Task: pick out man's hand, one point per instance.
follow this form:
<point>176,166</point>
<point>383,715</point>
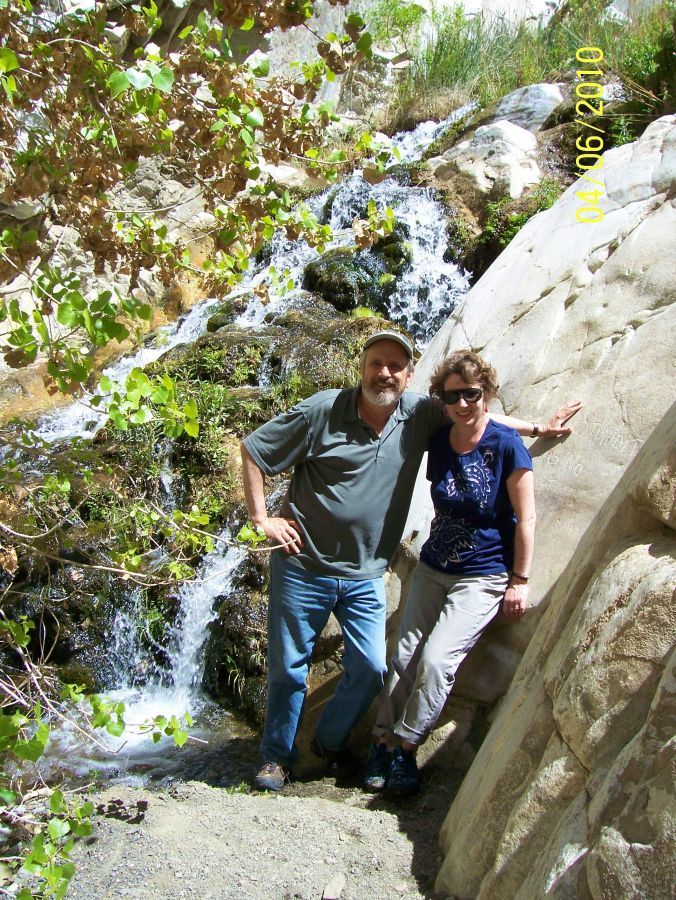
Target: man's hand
<point>285,532</point>
<point>556,426</point>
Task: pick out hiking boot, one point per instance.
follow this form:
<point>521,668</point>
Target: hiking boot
<point>340,763</point>
<point>404,778</point>
<point>272,777</point>
<point>378,768</point>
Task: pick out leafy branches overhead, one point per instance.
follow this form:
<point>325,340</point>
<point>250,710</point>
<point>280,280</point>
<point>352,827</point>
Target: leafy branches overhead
<point>80,108</point>
<point>85,96</point>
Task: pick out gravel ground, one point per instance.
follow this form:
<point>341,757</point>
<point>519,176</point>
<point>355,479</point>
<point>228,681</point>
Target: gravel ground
<point>317,839</point>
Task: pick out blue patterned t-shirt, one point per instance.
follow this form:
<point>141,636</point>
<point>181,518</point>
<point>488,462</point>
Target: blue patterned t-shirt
<point>473,528</point>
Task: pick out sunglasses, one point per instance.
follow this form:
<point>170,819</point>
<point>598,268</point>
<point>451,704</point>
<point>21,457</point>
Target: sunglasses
<point>469,395</point>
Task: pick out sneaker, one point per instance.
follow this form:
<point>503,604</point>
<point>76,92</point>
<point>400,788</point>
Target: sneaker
<point>378,768</point>
<point>340,763</point>
<point>272,777</point>
<point>404,778</point>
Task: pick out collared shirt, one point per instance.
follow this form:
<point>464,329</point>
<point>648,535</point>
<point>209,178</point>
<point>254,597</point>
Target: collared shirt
<point>351,488</point>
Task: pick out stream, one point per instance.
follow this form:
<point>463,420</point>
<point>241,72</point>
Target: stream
<point>426,293</point>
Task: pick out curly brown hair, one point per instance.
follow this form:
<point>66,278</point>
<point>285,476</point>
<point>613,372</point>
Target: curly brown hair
<point>471,367</point>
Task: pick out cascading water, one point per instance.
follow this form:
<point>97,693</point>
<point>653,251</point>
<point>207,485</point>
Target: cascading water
<point>146,692</point>
<point>425,294</point>
<point>428,289</point>
<point>197,600</point>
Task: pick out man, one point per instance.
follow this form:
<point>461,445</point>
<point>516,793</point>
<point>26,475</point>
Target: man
<point>355,455</point>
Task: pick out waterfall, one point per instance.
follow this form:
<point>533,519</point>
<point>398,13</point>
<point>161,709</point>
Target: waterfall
<point>147,693</point>
<point>426,292</point>
<point>178,691</point>
<point>429,288</point>
<point>412,144</point>
<point>197,597</point>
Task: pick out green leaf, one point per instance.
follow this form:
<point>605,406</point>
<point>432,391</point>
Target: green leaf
<point>8,60</point>
<point>159,396</point>
<point>76,300</point>
<point>247,24</point>
<point>10,725</point>
<point>365,43</point>
<point>142,416</point>
<point>192,428</point>
<point>8,83</point>
<point>57,802</point>
<point>57,828</point>
<point>117,83</point>
<point>33,749</point>
<point>164,80</point>
<point>354,20</point>
<point>115,728</point>
<point>183,34</point>
<point>255,118</point>
<point>138,80</point>
<point>190,409</point>
<point>7,797</point>
<point>67,315</point>
<point>262,67</point>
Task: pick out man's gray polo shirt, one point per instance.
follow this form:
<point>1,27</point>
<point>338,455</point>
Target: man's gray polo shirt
<point>350,490</point>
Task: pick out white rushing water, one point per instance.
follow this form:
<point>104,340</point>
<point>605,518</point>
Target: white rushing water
<point>412,144</point>
<point>426,291</point>
<point>144,691</point>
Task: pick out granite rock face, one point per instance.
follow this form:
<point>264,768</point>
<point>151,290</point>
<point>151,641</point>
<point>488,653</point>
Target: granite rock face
<point>571,793</point>
<point>499,154</point>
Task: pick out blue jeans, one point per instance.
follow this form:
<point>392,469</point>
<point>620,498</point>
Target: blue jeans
<point>300,605</point>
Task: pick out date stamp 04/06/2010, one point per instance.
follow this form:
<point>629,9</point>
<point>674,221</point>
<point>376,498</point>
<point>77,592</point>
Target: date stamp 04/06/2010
<point>589,143</point>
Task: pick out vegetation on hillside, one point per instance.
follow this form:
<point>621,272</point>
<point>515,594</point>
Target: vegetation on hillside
<point>468,56</point>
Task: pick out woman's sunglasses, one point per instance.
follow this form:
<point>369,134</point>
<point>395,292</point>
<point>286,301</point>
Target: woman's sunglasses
<point>469,395</point>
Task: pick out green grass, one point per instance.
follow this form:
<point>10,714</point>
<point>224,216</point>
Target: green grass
<point>485,59</point>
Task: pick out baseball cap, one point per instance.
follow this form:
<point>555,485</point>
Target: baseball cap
<point>391,336</point>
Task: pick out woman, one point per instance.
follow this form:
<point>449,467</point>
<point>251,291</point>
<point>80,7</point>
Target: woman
<point>476,560</point>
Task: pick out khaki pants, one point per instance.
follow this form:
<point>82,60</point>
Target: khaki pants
<point>445,616</point>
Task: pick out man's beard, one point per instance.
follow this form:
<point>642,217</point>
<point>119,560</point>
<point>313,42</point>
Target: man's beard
<point>381,396</point>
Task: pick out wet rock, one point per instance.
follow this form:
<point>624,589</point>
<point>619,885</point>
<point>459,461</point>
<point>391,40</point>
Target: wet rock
<point>348,279</point>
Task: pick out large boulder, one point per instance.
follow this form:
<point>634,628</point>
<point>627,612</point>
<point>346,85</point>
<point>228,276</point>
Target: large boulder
<point>499,159</point>
<point>572,793</point>
<point>570,310</point>
<point>529,107</point>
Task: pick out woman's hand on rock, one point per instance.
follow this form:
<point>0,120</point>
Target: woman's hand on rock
<point>555,426</point>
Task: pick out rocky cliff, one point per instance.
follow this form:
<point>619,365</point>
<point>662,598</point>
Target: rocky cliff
<point>569,795</point>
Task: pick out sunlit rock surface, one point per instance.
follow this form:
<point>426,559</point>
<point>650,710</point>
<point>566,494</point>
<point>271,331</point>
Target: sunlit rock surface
<point>571,793</point>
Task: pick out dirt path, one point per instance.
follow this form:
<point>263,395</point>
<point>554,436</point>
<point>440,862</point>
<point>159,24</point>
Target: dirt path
<point>317,839</point>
